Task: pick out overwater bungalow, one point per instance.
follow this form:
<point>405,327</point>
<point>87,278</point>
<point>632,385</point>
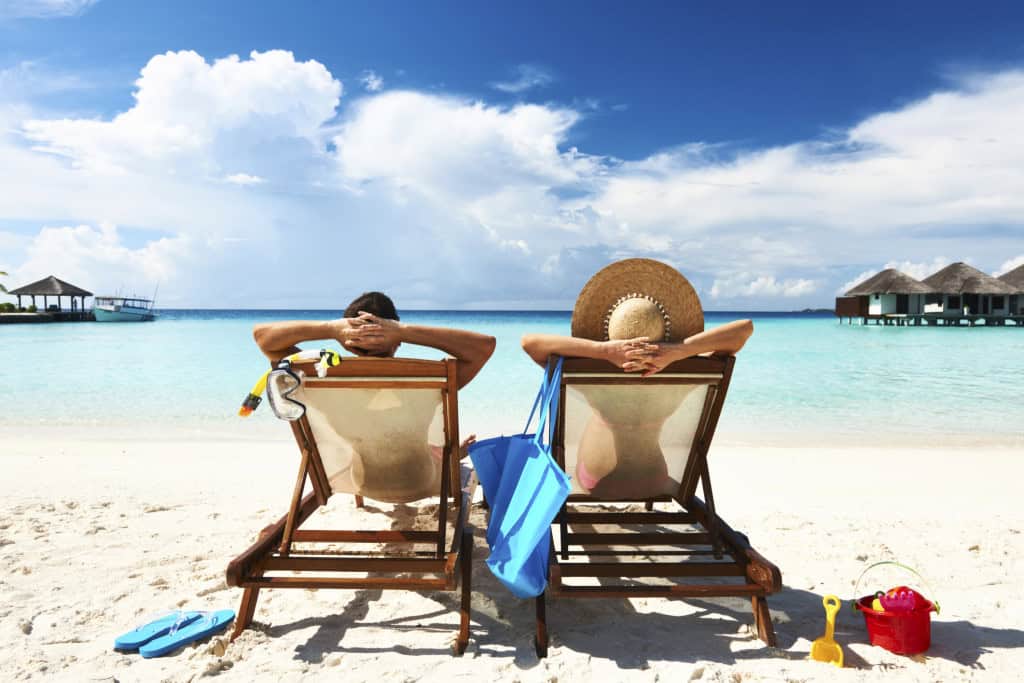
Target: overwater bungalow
<point>964,292</point>
<point>957,294</point>
<point>1015,278</point>
<point>888,297</point>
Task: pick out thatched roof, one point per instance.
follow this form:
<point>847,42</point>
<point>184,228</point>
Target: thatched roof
<point>960,278</point>
<point>890,281</point>
<point>50,286</point>
<point>1015,278</point>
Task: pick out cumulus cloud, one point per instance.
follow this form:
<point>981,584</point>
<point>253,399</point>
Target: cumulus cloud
<point>1009,265</point>
<point>189,113</point>
<point>745,285</point>
<point>486,204</point>
<point>44,9</point>
<point>371,80</point>
<point>527,76</point>
<point>244,179</point>
<point>96,255</point>
<point>915,269</point>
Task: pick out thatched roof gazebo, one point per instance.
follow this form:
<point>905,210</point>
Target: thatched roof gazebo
<point>960,278</point>
<point>1015,279</point>
<point>890,281</point>
<point>51,286</point>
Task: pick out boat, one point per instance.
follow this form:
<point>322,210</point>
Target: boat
<point>119,309</point>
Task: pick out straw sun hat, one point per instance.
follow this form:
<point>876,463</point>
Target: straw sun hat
<point>637,297</point>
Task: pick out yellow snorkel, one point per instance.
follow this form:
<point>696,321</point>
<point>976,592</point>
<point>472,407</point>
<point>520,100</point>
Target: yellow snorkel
<point>327,359</point>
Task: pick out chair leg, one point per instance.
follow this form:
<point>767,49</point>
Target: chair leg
<point>763,619</point>
<point>245,612</point>
<point>540,640</point>
<point>359,502</point>
<point>467,591</point>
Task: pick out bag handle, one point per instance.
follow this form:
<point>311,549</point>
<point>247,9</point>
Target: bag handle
<point>541,393</point>
<point>549,407</point>
<point>901,566</point>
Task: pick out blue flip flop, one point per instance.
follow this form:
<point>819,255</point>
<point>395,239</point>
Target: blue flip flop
<point>207,625</point>
<point>162,625</point>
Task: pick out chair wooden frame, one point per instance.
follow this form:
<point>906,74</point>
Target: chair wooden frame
<point>439,568</point>
<point>755,577</point>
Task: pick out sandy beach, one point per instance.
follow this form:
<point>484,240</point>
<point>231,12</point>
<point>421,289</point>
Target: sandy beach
<point>95,535</point>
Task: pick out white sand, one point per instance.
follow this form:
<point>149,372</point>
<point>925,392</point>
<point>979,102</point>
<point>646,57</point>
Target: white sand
<point>97,534</point>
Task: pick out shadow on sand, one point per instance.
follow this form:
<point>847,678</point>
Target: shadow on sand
<point>720,630</point>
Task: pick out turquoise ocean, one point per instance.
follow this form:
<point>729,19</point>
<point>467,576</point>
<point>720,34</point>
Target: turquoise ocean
<point>801,379</point>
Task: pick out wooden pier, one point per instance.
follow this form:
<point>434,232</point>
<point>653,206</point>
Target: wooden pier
<point>46,317</point>
<point>935,319</point>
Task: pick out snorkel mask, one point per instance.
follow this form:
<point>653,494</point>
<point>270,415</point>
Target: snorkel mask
<point>282,381</point>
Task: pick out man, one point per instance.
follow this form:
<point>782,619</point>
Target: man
<point>370,327</point>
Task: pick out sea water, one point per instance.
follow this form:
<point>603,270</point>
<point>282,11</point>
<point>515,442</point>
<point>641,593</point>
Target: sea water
<point>802,378</point>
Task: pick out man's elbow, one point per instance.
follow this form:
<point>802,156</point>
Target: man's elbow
<point>489,344</point>
<point>259,334</point>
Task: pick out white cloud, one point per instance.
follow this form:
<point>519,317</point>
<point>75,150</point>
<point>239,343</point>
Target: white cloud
<point>371,80</point>
<point>916,270</point>
<point>188,112</point>
<point>97,259</point>
<point>1009,265</point>
<point>244,179</point>
<point>527,76</point>
<point>744,285</point>
<point>44,9</point>
<point>483,203</point>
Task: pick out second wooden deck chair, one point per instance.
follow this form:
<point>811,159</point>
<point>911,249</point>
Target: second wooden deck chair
<point>386,429</point>
<point>627,439</point>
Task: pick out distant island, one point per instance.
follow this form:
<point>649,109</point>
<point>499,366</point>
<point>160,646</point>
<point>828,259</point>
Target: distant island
<point>815,310</point>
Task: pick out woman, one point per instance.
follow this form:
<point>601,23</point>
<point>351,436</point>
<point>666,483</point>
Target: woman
<point>641,315</point>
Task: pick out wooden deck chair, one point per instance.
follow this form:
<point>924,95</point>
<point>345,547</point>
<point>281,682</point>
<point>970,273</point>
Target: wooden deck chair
<point>386,429</point>
<point>627,439</point>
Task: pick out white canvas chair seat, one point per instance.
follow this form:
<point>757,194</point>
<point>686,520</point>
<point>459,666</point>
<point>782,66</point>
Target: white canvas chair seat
<point>381,443</point>
<point>630,442</point>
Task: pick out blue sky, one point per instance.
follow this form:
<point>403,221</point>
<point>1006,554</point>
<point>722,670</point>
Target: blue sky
<point>462,154</point>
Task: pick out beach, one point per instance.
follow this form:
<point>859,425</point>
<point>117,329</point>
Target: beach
<point>97,534</point>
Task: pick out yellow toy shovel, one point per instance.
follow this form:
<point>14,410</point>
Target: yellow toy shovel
<point>826,649</point>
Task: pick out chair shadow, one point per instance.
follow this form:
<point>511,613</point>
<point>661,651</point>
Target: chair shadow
<point>331,630</point>
<point>721,630</point>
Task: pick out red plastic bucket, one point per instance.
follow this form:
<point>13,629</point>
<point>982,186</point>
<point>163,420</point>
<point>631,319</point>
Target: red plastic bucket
<point>900,632</point>
<point>904,633</point>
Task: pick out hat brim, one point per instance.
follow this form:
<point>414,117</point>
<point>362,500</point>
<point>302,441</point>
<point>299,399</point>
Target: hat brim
<point>645,277</point>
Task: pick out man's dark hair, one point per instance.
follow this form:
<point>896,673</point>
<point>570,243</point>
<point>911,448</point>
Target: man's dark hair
<point>378,303</point>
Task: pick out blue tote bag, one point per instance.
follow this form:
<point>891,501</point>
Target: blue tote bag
<point>525,489</point>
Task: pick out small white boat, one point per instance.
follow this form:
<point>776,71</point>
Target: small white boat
<point>119,309</point>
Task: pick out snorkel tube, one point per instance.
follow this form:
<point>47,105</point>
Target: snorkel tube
<point>327,359</point>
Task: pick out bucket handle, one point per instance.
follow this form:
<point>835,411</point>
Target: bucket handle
<point>935,603</point>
